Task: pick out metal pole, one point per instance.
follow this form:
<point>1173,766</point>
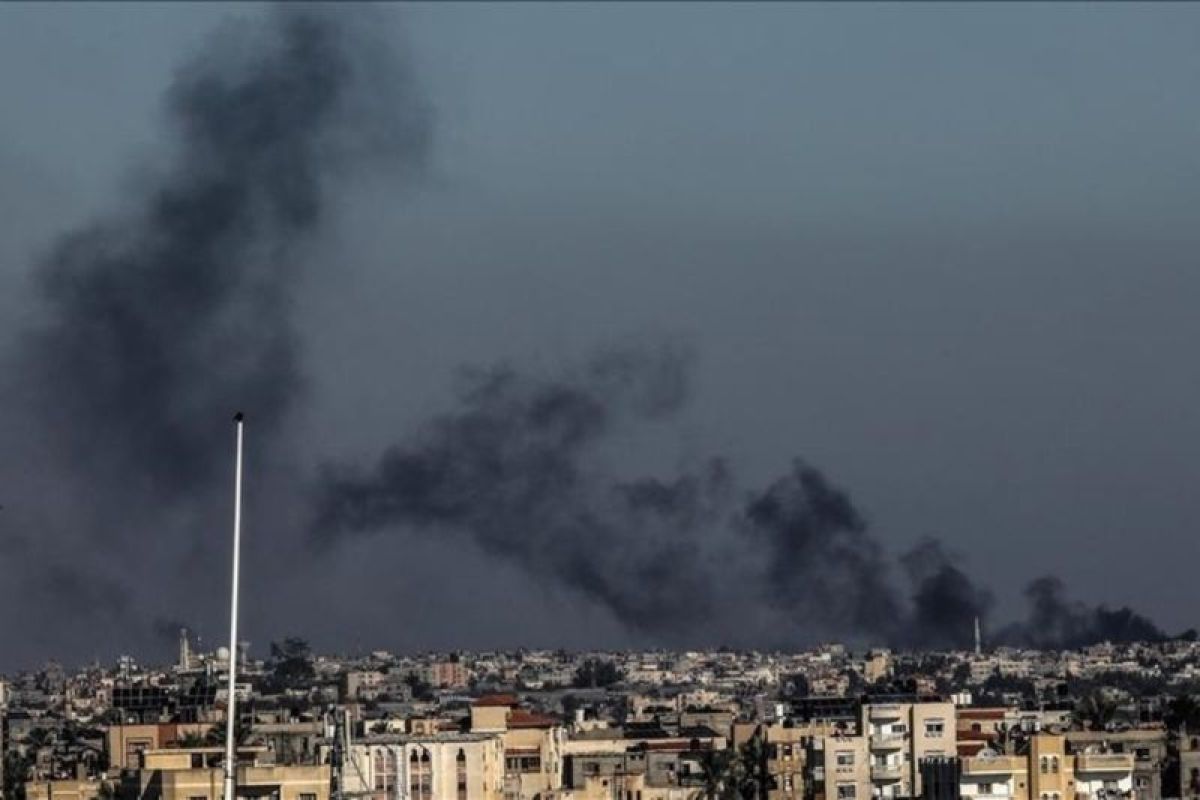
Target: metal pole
<point>231,712</point>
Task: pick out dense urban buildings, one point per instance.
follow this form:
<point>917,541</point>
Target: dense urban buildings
<point>1108,721</point>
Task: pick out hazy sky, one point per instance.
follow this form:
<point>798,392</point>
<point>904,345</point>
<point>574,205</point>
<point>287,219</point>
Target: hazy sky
<point>945,252</point>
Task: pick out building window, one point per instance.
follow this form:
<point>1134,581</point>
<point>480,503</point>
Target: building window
<point>383,768</point>
<point>845,759</point>
<point>1054,764</point>
<point>420,776</point>
<point>847,791</point>
<point>935,727</point>
<point>460,774</point>
<point>307,796</point>
<point>1044,766</point>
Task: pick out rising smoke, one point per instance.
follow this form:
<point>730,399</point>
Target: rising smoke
<point>162,320</point>
<point>1056,622</point>
<point>514,469</point>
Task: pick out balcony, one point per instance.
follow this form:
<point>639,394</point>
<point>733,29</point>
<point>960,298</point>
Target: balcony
<point>887,741</point>
<point>886,772</point>
<point>996,765</point>
<point>1104,762</point>
<point>884,711</point>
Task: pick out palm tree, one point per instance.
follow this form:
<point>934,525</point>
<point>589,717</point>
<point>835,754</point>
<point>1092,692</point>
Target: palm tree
<point>1096,711</point>
<point>715,773</point>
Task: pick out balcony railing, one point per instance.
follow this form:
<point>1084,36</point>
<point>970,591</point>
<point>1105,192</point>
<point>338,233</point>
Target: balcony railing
<point>886,772</point>
<point>884,711</point>
<point>887,741</point>
<point>1104,762</point>
<point>997,765</point>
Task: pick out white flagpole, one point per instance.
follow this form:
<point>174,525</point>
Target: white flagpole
<point>231,709</point>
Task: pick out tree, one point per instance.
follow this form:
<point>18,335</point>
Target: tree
<point>597,673</point>
<point>17,769</point>
<point>1183,712</point>
<point>190,740</point>
<point>291,665</point>
<point>421,690</point>
<point>1096,711</point>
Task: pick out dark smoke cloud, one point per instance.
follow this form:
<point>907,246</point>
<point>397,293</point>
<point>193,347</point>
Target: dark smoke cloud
<point>1054,622</point>
<point>510,468</point>
<point>514,470</point>
<point>163,318</point>
<point>820,560</point>
<point>945,601</point>
<point>161,323</point>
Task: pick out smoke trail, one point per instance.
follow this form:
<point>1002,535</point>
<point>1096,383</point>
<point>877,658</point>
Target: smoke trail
<point>511,469</point>
<point>161,322</point>
<point>163,317</point>
<point>821,564</point>
<point>1056,623</point>
<point>945,601</point>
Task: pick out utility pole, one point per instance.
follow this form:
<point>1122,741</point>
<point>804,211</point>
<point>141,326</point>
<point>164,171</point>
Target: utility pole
<point>231,709</point>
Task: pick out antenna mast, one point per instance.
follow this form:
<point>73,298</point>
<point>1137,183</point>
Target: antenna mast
<point>231,709</point>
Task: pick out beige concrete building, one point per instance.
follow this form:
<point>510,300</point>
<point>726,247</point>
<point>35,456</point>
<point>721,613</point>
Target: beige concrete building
<point>125,743</point>
<point>196,774</point>
<point>839,768</point>
<point>533,745</point>
<point>437,766</point>
<point>900,735</point>
<point>83,789</point>
<point>1046,772</point>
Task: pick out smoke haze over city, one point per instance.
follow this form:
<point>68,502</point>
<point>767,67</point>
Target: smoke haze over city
<point>598,326</point>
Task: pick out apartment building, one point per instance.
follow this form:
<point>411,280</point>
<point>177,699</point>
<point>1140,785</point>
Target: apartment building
<point>978,728</point>
<point>1148,746</point>
<point>785,756</point>
<point>1046,770</point>
<point>68,789</point>
<point>900,734</point>
<point>839,768</point>
<point>125,743</point>
<point>1188,751</point>
<point>435,766</point>
<point>196,774</point>
<point>533,745</point>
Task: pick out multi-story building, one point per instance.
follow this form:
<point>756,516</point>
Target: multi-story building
<point>196,774</point>
<point>1188,760</point>
<point>533,745</point>
<point>125,743</point>
<point>447,675</point>
<point>1046,770</point>
<point>1148,746</point>
<point>838,768</point>
<point>901,734</point>
<point>434,766</point>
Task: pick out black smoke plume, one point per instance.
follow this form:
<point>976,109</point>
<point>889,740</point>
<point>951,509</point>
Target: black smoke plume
<point>162,318</point>
<point>510,468</point>
<point>514,469</point>
<point>1056,623</point>
<point>821,565</point>
<point>162,321</point>
<point>945,601</point>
